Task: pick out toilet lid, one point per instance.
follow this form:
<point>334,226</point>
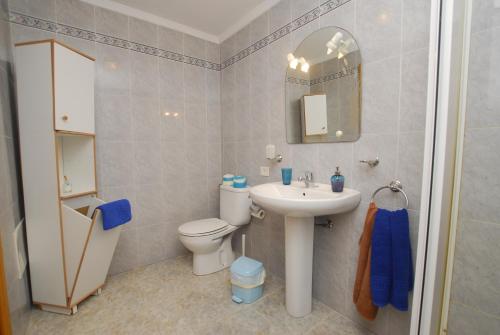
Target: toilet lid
<point>202,227</point>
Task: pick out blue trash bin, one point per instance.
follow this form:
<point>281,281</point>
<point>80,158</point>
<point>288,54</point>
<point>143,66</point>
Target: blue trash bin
<point>247,280</point>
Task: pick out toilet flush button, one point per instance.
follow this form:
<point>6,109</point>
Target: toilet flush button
<point>264,171</point>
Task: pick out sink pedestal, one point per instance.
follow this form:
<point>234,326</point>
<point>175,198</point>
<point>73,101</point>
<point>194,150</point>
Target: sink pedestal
<point>300,205</point>
<point>299,237</point>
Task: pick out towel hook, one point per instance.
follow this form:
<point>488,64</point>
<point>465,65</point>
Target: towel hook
<point>394,186</point>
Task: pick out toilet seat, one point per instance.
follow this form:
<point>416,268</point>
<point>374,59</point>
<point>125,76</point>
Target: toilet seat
<point>203,227</point>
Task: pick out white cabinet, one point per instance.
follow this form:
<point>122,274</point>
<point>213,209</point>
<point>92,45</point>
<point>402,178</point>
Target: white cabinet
<point>69,252</point>
<point>73,90</point>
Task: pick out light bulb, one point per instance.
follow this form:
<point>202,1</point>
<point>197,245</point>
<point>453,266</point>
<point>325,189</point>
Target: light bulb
<point>340,55</point>
<point>290,57</point>
<point>339,133</point>
<point>293,63</point>
<point>329,51</point>
<point>336,38</point>
<point>304,67</point>
<point>167,113</point>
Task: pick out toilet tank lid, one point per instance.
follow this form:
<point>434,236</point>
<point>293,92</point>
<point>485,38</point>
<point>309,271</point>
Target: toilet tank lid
<point>246,267</point>
<point>236,190</point>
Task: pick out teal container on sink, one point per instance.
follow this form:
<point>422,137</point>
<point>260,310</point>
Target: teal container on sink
<point>247,280</point>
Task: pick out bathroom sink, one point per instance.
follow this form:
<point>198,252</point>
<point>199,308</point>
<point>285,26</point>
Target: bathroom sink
<point>300,204</point>
<point>298,201</point>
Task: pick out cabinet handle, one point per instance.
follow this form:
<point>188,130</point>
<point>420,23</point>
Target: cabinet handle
<point>65,118</point>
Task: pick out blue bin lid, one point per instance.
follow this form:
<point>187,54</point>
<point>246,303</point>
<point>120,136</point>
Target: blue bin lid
<point>247,267</point>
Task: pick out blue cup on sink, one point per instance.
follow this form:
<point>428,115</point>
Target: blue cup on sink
<point>286,176</point>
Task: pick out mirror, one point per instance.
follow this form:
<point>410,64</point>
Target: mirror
<point>323,88</point>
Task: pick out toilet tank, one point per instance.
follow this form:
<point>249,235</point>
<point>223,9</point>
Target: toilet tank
<point>235,205</point>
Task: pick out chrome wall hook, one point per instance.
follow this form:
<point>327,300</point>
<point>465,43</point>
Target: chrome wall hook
<point>371,163</point>
<point>278,158</point>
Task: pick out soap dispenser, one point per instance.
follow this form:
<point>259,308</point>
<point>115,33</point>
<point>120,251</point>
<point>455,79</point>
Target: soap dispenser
<point>337,181</point>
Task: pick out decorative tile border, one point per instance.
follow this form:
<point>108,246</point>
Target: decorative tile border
<point>59,28</point>
<point>347,72</point>
<point>298,81</point>
<point>308,17</point>
<point>63,29</point>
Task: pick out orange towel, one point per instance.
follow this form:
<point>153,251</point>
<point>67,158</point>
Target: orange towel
<point>362,293</point>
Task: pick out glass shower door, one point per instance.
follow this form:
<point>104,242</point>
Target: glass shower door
<point>472,293</point>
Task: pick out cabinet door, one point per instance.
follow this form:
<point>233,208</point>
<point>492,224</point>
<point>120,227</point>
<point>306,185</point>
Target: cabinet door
<point>73,90</point>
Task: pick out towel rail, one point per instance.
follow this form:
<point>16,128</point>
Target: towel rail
<point>394,186</point>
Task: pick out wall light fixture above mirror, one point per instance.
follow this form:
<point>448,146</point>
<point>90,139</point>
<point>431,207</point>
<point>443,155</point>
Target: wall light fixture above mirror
<point>323,88</point>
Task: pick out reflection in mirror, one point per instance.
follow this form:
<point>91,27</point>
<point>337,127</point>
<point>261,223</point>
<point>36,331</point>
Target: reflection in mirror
<point>323,88</point>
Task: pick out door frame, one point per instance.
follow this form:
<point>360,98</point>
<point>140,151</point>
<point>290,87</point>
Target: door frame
<point>443,122</point>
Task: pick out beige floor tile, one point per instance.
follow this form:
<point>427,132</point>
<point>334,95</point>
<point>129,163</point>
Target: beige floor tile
<point>166,298</point>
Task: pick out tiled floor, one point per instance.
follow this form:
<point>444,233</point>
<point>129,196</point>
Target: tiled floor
<point>166,298</point>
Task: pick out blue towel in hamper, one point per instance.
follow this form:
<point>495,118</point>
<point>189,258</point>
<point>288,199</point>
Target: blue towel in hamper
<point>115,213</point>
<point>381,259</point>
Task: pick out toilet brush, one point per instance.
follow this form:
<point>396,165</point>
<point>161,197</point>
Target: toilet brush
<point>243,239</point>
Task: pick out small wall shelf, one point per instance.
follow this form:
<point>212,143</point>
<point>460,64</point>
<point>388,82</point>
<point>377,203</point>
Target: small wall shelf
<point>76,164</point>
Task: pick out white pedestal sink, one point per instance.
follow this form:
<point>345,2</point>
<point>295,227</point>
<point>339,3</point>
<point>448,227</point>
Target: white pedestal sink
<point>300,205</point>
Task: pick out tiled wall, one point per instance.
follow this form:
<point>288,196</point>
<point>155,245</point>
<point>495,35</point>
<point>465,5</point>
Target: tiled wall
<point>169,166</point>
<point>393,39</point>
<point>475,295</point>
<point>157,118</point>
<point>11,210</point>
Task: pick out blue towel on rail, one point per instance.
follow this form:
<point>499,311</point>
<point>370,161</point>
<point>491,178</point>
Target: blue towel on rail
<point>115,213</point>
<point>381,259</point>
<point>402,267</point>
<point>391,263</point>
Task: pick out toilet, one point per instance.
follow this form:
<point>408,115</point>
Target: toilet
<point>210,239</point>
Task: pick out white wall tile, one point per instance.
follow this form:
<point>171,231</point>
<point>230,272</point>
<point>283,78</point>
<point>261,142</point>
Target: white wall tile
<point>146,118</point>
<point>476,275</point>
<point>44,9</point>
<point>416,24</point>
<point>113,70</point>
<point>280,15</point>
<point>465,320</point>
<point>413,91</point>
<point>113,117</point>
<point>76,14</point>
<point>380,104</point>
<point>378,28</point>
<point>144,79</point>
<point>195,47</point>
<point>479,198</point>
<point>111,23</point>
<point>170,40</point>
<point>410,160</point>
<point>259,28</point>
<point>143,32</point>
<point>483,85</point>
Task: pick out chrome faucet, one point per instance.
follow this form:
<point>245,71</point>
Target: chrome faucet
<point>308,179</point>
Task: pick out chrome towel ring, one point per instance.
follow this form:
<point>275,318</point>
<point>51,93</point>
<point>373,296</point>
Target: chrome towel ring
<point>394,186</point>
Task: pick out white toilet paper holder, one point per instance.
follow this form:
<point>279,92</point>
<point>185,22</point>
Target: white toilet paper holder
<point>257,212</point>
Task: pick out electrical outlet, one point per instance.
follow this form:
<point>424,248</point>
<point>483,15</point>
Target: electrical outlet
<point>264,171</point>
